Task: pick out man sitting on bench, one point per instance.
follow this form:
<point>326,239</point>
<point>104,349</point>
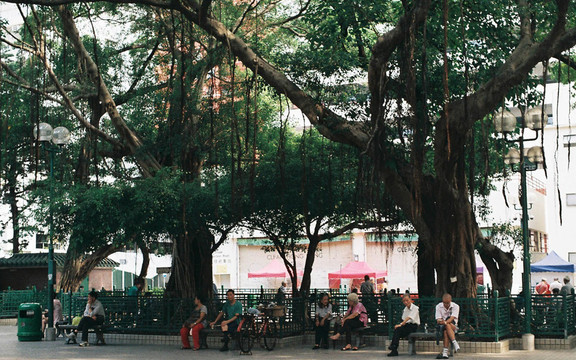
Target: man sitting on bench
<point>447,319</point>
<point>409,324</point>
<point>93,316</point>
<point>231,310</point>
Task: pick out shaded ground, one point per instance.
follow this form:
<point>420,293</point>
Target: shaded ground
<point>11,348</point>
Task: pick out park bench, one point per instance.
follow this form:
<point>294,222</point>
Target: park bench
<point>204,333</point>
<point>357,334</point>
<point>98,330</point>
<point>424,335</point>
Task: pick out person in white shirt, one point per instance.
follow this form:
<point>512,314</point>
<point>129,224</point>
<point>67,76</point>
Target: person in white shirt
<point>447,314</point>
<point>409,324</point>
<point>555,285</point>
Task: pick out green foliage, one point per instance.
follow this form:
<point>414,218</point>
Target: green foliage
<point>504,234</point>
<point>146,211</point>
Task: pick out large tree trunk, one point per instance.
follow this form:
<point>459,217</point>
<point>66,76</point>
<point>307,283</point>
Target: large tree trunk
<point>15,216</point>
<point>454,238</point>
<point>78,266</point>
<point>500,265</point>
<point>310,257</point>
<point>145,260</point>
<point>191,263</point>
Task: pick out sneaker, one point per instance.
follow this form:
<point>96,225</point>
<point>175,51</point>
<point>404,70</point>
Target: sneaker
<point>442,356</point>
<point>393,353</point>
<point>456,346</point>
<point>72,335</point>
<point>224,348</point>
<point>84,344</point>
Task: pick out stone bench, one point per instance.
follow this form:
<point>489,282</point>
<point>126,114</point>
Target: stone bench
<point>204,333</point>
<point>424,335</point>
<point>97,329</point>
<point>358,334</point>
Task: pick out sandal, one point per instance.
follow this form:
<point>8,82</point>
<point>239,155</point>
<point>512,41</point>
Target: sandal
<point>354,348</point>
<point>346,348</point>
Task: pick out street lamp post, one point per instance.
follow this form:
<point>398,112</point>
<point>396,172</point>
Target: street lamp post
<point>521,162</point>
<point>51,140</point>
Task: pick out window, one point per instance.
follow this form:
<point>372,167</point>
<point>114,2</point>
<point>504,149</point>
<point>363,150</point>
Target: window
<point>569,140</point>
<point>41,241</point>
<point>570,199</point>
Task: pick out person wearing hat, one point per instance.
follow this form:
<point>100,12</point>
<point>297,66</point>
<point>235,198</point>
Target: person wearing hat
<point>543,288</point>
<point>555,285</point>
<point>356,317</point>
<point>93,315</point>
<point>568,288</point>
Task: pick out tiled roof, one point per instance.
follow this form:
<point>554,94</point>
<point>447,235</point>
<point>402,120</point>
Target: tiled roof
<point>41,260</point>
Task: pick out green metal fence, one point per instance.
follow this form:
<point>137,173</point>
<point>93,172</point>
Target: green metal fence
<point>553,315</point>
<point>11,299</point>
<point>482,318</point>
<point>478,319</point>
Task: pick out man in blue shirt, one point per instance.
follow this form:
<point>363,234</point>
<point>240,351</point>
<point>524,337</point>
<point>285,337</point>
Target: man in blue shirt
<point>231,311</point>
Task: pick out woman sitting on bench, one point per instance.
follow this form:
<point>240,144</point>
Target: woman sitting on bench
<point>323,316</point>
<point>356,317</point>
<point>195,323</point>
<point>93,316</point>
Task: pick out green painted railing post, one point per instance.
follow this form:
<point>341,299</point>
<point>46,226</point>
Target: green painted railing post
<point>496,313</point>
<point>565,315</point>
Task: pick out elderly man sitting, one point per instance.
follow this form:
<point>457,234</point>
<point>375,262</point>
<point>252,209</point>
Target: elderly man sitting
<point>447,314</point>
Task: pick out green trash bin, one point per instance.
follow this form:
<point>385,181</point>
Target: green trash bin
<point>29,322</point>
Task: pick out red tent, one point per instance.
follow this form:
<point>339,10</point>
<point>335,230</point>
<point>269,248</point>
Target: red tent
<point>275,269</point>
<point>356,270</point>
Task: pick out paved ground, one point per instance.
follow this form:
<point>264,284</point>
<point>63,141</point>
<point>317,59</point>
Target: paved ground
<point>11,348</point>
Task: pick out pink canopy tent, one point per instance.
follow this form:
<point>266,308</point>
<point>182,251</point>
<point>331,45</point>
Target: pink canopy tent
<point>356,270</point>
<point>275,269</point>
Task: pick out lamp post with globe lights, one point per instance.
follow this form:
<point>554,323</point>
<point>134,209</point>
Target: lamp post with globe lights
<point>52,140</point>
<point>523,160</point>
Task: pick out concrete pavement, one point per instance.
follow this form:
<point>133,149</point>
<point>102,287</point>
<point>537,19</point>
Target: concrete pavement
<point>11,348</point>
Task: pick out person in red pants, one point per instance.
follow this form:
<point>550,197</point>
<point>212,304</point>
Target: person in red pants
<point>195,323</point>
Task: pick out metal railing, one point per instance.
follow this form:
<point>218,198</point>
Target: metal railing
<point>482,318</point>
<point>552,315</point>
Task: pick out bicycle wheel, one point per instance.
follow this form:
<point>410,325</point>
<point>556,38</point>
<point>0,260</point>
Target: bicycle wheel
<point>270,335</point>
<point>246,336</point>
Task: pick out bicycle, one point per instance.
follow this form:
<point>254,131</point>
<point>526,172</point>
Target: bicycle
<point>258,327</point>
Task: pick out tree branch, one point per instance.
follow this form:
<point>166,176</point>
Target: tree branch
<point>566,60</point>
<point>358,225</point>
<point>145,160</point>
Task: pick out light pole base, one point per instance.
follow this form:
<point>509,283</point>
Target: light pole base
<point>50,334</point>
<point>528,342</point>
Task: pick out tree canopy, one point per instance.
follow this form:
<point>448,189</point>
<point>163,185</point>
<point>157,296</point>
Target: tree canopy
<point>435,72</point>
